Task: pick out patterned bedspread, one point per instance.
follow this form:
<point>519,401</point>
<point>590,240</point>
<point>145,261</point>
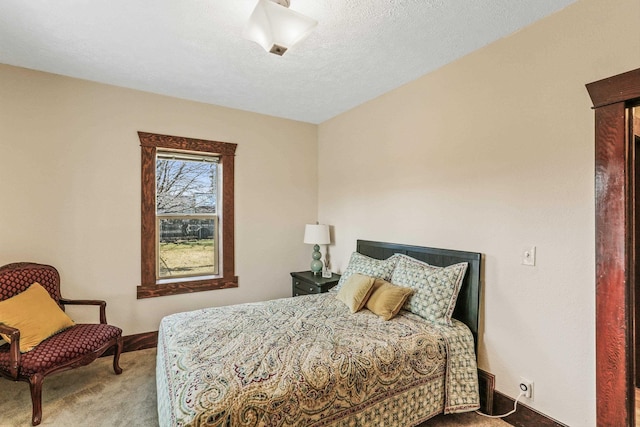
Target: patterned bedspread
<point>309,361</point>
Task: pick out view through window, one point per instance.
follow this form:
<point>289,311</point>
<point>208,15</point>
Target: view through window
<point>186,215</point>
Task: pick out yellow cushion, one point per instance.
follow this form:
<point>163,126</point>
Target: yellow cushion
<point>35,314</point>
<point>355,291</point>
<point>387,299</point>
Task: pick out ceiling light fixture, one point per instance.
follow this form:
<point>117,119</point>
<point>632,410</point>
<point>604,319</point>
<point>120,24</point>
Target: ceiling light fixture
<point>277,28</point>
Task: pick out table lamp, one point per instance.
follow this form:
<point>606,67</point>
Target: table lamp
<point>316,235</point>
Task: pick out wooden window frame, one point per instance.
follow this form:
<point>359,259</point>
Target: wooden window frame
<point>149,286</point>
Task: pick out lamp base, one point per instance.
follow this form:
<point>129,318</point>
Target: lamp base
<point>316,264</point>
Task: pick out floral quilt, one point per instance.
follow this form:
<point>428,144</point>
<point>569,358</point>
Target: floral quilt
<point>308,361</point>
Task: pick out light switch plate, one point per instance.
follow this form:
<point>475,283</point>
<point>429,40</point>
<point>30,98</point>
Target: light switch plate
<point>529,256</point>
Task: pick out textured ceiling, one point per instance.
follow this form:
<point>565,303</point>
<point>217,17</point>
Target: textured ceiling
<point>194,49</point>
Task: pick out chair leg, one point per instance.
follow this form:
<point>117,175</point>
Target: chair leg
<point>35,385</point>
<point>116,357</point>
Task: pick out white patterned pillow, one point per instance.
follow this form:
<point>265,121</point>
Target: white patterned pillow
<point>358,263</point>
<point>435,288</point>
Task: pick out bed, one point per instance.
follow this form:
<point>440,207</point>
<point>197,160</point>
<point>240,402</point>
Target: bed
<point>310,361</point>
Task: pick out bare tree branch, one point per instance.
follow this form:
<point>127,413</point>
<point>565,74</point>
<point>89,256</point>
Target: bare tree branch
<point>179,183</point>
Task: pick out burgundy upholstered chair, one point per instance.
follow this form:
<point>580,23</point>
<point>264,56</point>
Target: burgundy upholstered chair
<point>76,346</point>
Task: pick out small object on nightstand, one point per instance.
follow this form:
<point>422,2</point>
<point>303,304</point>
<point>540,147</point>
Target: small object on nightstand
<point>326,273</point>
<point>306,283</point>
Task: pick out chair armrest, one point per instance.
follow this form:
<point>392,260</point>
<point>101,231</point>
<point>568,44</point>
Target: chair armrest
<point>102,304</point>
<point>14,349</point>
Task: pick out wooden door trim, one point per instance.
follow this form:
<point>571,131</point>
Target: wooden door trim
<point>614,310</point>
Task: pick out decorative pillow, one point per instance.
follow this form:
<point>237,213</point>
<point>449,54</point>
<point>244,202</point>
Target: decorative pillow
<point>36,314</point>
<point>377,268</point>
<point>356,291</point>
<point>386,299</point>
<point>435,288</point>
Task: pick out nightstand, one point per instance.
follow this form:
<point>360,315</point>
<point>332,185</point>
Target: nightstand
<point>305,283</point>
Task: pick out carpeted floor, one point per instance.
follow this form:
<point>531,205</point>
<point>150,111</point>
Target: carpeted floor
<point>94,396</point>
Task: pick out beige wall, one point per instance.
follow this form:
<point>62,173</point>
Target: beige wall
<point>70,190</point>
<point>494,153</point>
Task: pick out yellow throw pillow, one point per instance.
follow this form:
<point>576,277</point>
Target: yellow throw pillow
<point>355,291</point>
<point>35,314</point>
<point>387,299</point>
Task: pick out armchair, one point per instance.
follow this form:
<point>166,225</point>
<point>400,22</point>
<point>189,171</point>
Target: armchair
<point>76,346</point>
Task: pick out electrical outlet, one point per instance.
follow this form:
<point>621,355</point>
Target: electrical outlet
<point>526,387</point>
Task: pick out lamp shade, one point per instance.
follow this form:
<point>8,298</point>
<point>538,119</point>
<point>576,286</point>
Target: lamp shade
<point>317,234</point>
<point>276,28</point>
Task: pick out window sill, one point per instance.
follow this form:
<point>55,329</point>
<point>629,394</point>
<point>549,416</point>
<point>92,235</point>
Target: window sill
<point>187,279</point>
<point>176,287</point>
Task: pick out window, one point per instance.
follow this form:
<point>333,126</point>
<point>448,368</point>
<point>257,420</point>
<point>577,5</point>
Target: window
<point>187,215</point>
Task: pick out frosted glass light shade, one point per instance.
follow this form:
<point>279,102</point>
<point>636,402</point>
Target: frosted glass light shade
<point>277,28</point>
<point>316,234</point>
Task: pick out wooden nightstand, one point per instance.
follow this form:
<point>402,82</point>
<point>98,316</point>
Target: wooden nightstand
<point>305,283</point>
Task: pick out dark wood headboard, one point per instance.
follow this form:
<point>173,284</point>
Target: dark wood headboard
<point>468,303</point>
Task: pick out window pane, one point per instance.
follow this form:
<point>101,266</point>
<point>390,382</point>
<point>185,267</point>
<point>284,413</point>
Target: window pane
<point>186,186</point>
<point>186,247</point>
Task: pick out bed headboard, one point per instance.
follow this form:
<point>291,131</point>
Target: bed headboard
<point>468,303</point>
